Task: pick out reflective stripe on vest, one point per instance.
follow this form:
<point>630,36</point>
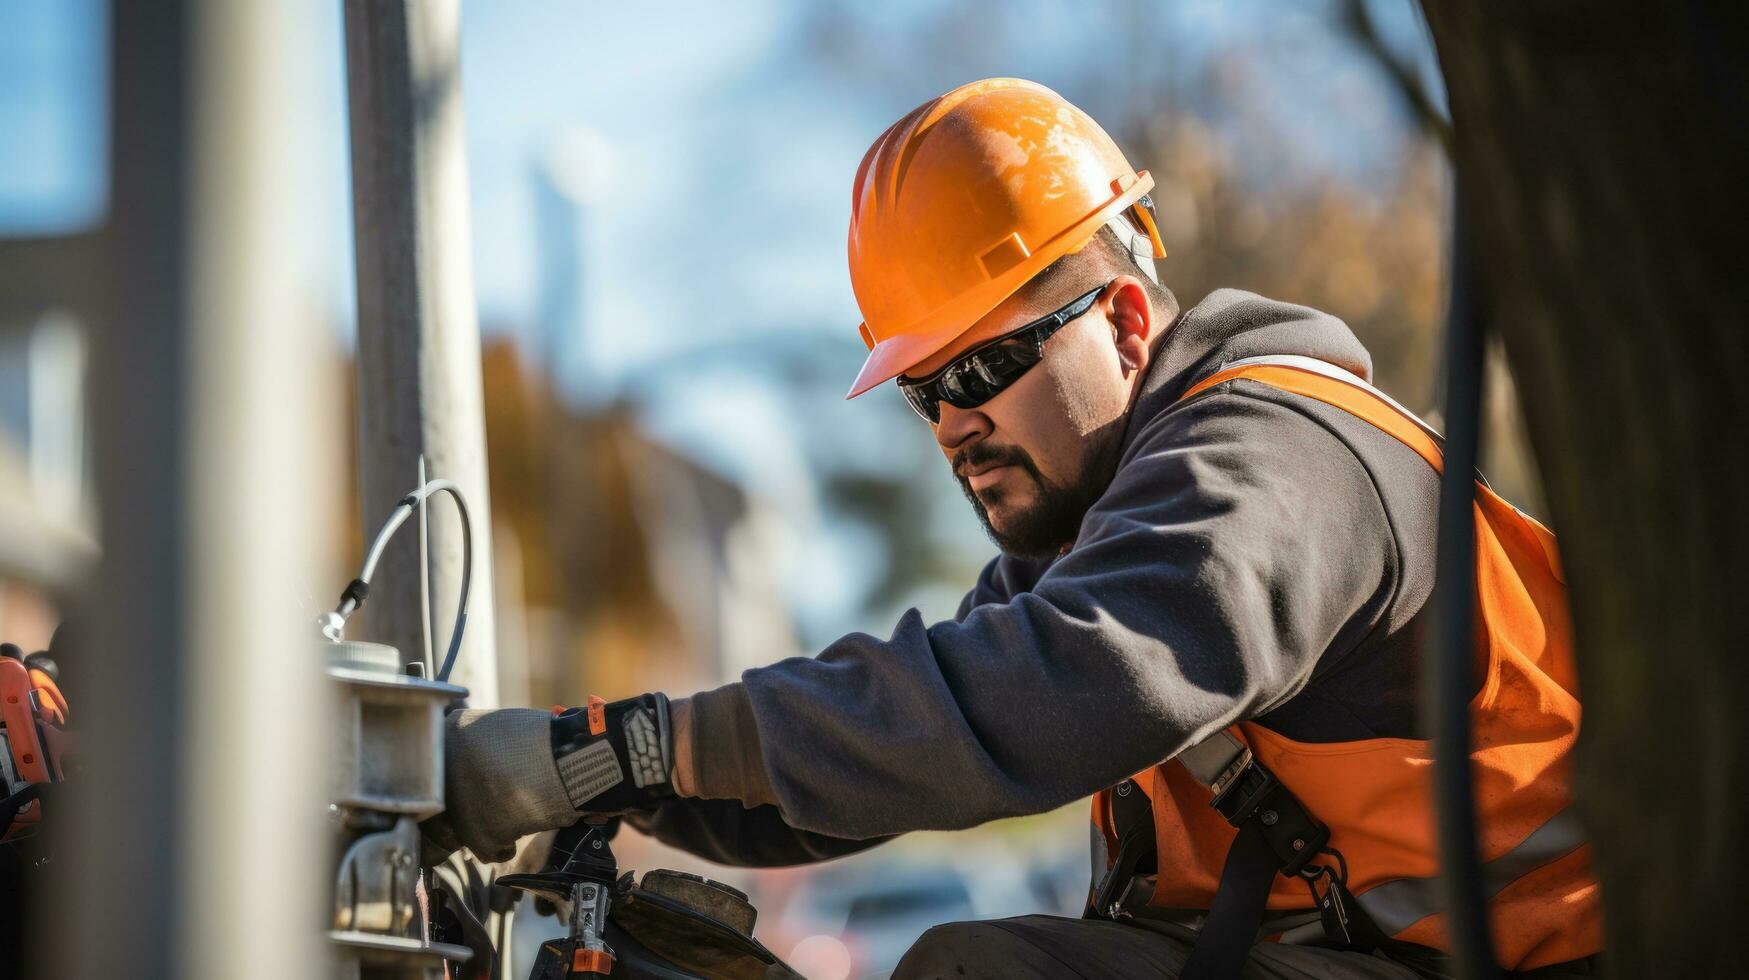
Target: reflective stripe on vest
<point>1326,369</point>
<point>1396,905</point>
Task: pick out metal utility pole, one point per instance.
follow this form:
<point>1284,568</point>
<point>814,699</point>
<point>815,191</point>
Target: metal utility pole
<point>418,337</point>
<point>182,847</point>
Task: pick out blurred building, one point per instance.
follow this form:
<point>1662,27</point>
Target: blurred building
<point>637,568</point>
<point>625,565</point>
<point>571,171</point>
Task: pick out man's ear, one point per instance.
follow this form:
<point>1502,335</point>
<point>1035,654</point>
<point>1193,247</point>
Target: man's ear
<point>1132,320</point>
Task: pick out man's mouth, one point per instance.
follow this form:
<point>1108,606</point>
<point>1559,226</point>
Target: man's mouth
<point>981,468</point>
<point>981,477</point>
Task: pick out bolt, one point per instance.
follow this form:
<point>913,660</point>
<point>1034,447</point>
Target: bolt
<point>1269,818</point>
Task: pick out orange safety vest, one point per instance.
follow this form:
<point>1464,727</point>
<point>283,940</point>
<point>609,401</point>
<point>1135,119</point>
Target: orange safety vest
<point>1376,795</point>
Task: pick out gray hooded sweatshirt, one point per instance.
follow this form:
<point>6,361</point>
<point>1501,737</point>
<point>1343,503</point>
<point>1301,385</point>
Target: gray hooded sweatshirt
<point>1258,556</point>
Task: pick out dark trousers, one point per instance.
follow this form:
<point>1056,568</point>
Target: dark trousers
<point>1040,946</point>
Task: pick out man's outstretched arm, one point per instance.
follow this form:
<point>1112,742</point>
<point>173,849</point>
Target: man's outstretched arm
<point>1239,543</point>
<point>729,833</point>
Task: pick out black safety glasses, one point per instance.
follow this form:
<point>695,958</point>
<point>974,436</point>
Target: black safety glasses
<point>983,372</point>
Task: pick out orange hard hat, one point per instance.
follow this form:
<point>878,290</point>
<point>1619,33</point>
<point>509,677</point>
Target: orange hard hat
<point>962,201</point>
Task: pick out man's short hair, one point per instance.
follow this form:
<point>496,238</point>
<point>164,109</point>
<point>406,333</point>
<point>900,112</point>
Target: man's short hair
<point>1105,258</point>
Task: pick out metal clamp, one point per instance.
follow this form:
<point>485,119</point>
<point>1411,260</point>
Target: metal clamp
<point>1254,794</point>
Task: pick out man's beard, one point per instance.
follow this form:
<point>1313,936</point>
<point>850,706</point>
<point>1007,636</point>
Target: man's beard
<point>1050,525</point>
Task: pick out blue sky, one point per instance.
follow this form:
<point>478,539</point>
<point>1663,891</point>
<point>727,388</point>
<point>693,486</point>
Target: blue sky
<point>52,140</point>
<point>724,137</point>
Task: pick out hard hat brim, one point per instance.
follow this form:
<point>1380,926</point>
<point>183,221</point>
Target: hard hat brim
<point>891,358</point>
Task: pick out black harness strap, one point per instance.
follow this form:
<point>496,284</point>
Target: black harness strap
<point>1237,913</point>
<point>1276,836</point>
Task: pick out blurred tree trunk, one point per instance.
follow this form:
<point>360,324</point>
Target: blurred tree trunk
<point>1601,151</point>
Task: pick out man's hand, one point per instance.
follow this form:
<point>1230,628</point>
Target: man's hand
<point>519,771</point>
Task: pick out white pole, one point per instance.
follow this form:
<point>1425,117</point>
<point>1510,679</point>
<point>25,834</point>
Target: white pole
<point>192,842</point>
<point>418,335</point>
<point>264,443</point>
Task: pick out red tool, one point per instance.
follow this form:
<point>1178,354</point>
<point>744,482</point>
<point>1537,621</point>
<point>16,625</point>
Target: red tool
<point>33,744</point>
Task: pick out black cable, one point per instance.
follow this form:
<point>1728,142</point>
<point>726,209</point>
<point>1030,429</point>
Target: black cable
<point>1448,686</point>
<point>461,609</point>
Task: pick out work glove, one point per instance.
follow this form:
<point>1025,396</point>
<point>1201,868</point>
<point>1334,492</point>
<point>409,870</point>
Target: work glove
<point>517,771</point>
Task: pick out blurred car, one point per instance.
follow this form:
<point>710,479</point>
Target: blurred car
<point>856,919</point>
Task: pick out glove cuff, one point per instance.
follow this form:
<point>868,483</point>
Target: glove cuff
<point>615,756</point>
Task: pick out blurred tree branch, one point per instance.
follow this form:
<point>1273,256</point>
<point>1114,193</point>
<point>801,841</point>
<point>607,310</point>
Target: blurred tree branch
<point>1357,18</point>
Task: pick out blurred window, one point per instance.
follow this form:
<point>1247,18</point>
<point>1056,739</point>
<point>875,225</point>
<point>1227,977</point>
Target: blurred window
<point>42,416</point>
<point>53,116</point>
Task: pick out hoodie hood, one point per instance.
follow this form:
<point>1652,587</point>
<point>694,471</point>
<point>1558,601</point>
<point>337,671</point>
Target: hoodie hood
<point>1230,325</point>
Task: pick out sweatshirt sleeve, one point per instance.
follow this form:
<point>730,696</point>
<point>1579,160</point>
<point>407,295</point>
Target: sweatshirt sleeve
<point>729,833</point>
<point>1002,579</point>
<point>1240,542</point>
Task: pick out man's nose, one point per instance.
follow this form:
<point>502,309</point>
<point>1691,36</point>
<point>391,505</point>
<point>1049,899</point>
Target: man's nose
<point>960,427</point>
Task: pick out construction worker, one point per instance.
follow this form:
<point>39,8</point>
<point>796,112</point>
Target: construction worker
<point>1217,546</point>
